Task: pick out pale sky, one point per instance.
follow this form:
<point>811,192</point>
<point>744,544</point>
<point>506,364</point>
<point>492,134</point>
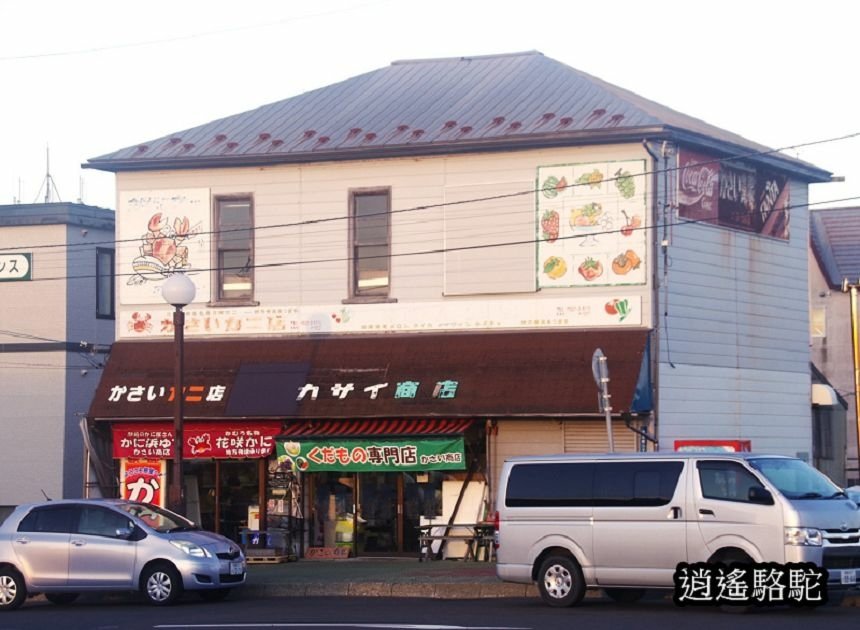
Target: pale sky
<point>86,78</point>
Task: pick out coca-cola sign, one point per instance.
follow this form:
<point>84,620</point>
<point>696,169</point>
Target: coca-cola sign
<point>732,194</point>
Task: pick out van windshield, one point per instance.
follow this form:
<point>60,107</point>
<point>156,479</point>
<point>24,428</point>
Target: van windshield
<point>796,479</point>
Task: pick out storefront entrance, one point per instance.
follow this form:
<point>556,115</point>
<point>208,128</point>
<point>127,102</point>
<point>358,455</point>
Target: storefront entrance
<point>374,513</point>
<point>222,495</point>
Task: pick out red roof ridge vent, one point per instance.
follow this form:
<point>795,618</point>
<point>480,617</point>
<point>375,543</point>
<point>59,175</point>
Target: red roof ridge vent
<point>141,148</point>
<point>354,132</point>
<point>515,125</point>
<point>417,133</point>
<point>565,121</point>
<point>221,137</point>
<point>466,129</point>
<point>615,120</point>
<point>450,124</point>
<point>323,139</point>
<point>264,136</point>
<point>498,120</point>
<point>232,145</point>
<point>175,140</point>
<point>310,133</point>
<point>370,136</point>
<point>277,142</point>
<point>546,117</point>
<point>188,146</point>
<point>402,128</point>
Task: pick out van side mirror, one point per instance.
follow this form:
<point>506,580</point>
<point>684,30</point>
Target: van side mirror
<point>760,495</point>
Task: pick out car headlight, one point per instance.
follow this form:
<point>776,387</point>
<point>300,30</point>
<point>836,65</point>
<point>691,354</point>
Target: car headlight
<point>803,536</point>
<point>192,549</point>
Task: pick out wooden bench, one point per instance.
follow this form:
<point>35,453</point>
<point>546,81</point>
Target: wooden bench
<point>476,538</point>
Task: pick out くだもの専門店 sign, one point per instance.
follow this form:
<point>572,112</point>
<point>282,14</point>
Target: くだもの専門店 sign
<point>372,454</point>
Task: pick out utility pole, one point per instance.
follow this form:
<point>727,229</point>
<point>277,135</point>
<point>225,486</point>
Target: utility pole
<point>851,288</point>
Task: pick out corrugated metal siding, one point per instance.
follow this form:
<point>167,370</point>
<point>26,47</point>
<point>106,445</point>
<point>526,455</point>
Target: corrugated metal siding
<point>734,347</point>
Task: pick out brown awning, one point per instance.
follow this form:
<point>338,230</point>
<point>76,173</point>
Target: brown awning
<point>455,375</point>
<point>372,426</point>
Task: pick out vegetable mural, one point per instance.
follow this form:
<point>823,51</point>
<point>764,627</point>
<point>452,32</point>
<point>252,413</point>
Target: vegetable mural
<point>591,224</point>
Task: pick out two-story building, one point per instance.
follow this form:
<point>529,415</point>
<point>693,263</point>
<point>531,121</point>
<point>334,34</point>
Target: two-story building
<point>835,256</point>
<point>404,278</point>
<point>56,326</point>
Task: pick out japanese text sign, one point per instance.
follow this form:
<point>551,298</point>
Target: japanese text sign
<point>370,454</point>
<point>144,480</point>
<point>16,267</point>
<point>201,440</point>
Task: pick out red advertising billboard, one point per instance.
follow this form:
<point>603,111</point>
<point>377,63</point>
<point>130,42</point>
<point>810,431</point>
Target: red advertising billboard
<point>732,194</point>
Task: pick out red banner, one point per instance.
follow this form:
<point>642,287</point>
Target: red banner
<point>144,480</point>
<point>202,440</point>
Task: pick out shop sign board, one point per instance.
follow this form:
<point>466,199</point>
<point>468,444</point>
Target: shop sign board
<point>16,267</point>
<point>143,479</point>
<point>733,194</point>
<point>372,454</point>
<point>202,440</point>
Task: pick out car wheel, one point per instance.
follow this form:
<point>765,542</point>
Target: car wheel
<point>61,599</point>
<point>560,581</point>
<point>625,595</point>
<point>13,591</point>
<point>217,595</point>
<point>161,584</point>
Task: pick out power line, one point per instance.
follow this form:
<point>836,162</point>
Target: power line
<point>530,191</point>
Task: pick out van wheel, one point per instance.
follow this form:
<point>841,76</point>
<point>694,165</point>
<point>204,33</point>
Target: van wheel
<point>161,584</point>
<point>625,595</point>
<point>560,581</point>
<point>13,591</point>
<point>729,558</point>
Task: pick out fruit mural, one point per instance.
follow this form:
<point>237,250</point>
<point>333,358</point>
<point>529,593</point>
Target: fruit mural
<point>592,224</point>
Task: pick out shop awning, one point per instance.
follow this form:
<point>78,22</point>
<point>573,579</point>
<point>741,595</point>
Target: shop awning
<point>367,427</point>
<point>453,375</point>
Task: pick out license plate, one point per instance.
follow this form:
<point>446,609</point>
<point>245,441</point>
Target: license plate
<point>849,577</point>
<point>236,568</point>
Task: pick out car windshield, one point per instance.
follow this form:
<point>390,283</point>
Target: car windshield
<point>159,519</point>
<point>796,479</point>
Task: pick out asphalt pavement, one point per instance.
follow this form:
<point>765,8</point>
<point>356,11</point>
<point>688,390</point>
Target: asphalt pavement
<point>394,577</point>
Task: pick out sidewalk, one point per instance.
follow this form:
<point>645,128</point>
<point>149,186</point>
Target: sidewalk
<point>394,577</point>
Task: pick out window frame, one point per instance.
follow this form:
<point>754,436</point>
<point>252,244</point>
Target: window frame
<point>111,253</point>
<point>355,294</point>
<point>218,297</point>
<point>818,315</point>
<point>725,466</point>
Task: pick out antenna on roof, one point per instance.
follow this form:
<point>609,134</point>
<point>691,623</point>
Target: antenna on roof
<point>45,494</point>
<point>48,183</point>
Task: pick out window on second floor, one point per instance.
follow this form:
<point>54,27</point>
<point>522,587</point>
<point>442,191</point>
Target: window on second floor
<point>370,241</point>
<point>818,321</point>
<point>234,262</point>
<point>104,283</point>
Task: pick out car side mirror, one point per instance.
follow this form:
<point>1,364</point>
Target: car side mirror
<point>760,495</point>
<point>125,533</point>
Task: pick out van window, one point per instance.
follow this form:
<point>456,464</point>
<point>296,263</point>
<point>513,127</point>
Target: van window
<point>726,481</point>
<point>592,484</point>
<point>550,485</point>
<point>635,483</point>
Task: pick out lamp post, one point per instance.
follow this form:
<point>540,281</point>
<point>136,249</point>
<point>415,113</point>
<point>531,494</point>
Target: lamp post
<point>178,290</point>
<point>848,287</point>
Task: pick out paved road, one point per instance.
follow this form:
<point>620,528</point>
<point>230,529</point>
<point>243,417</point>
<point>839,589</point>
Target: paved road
<point>387,613</point>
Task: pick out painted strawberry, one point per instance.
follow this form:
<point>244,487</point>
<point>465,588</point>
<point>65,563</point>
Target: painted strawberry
<point>549,223</point>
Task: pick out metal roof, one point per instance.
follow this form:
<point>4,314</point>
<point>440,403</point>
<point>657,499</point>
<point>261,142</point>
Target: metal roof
<point>835,239</point>
<point>56,213</point>
<point>435,106</point>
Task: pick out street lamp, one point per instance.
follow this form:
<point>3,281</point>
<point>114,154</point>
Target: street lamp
<point>178,290</point>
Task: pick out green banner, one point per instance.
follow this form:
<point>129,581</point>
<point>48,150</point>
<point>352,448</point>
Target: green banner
<point>391,454</point>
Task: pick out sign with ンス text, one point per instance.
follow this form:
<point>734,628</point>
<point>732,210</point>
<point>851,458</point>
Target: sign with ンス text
<point>16,267</point>
<point>371,454</point>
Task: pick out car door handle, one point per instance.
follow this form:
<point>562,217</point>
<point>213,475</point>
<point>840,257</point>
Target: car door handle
<point>79,543</point>
<point>22,541</point>
<point>706,512</point>
<point>674,513</point>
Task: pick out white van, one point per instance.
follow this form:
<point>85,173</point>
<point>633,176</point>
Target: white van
<point>624,522</point>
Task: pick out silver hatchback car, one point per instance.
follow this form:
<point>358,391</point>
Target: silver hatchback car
<point>64,548</point>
